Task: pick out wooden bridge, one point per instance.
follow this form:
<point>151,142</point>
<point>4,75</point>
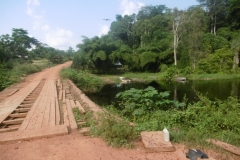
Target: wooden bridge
<point>40,108</point>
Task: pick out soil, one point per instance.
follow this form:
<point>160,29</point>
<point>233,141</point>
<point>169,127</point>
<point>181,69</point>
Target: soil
<point>76,146</point>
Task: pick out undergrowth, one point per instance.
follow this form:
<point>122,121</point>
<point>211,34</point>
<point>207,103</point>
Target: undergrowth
<point>116,132</point>
<point>86,81</point>
<point>193,124</point>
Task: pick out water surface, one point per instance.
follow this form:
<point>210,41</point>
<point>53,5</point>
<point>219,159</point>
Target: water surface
<point>213,89</point>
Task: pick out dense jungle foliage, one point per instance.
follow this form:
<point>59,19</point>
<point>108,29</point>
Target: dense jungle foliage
<point>18,52</point>
<point>202,39</point>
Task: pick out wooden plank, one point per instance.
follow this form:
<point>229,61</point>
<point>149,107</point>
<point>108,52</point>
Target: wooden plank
<point>54,89</point>
<point>225,146</point>
<point>57,109</point>
<point>72,121</point>
<point>58,82</point>
<point>25,105</point>
<point>65,115</point>
<point>44,116</point>
<point>80,107</point>
<point>18,115</point>
<point>8,129</point>
<point>14,91</point>
<point>27,102</point>
<point>30,120</point>
<point>20,110</point>
<point>52,119</point>
<point>12,102</point>
<point>33,134</point>
<point>30,99</point>
<point>14,126</point>
<point>14,121</point>
<point>64,96</point>
<point>72,103</point>
<point>60,95</point>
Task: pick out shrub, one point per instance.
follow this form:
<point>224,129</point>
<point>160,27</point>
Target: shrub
<point>116,132</point>
<point>85,81</point>
<point>137,103</point>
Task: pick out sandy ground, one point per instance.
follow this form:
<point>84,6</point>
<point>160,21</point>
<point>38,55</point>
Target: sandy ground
<point>76,146</point>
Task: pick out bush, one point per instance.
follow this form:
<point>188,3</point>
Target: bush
<point>135,103</point>
<point>193,124</point>
<point>85,81</point>
<point>116,132</point>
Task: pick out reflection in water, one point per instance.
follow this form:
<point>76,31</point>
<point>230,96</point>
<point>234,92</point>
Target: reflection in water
<point>220,89</point>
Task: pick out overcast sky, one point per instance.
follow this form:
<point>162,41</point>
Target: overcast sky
<point>61,23</point>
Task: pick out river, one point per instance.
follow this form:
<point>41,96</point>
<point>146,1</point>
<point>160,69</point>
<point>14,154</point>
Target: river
<point>213,89</point>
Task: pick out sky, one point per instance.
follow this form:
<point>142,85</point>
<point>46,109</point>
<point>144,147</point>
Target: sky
<point>62,23</point>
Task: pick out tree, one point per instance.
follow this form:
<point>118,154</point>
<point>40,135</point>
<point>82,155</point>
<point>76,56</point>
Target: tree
<point>178,21</point>
<point>235,46</point>
<point>193,37</point>
<point>234,14</point>
<point>217,11</point>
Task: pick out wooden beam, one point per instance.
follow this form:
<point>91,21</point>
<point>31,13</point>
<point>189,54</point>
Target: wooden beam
<point>22,110</point>
<point>225,146</point>
<point>80,107</point>
<point>33,134</point>
<point>14,121</point>
<point>60,95</point>
<point>8,129</point>
<point>57,109</point>
<point>18,115</point>
<point>71,117</point>
<point>13,92</point>
<point>73,105</point>
<point>64,96</point>
<point>25,105</point>
<point>28,102</point>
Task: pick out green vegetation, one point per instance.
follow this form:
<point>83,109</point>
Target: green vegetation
<point>136,104</point>
<point>87,118</point>
<point>203,39</point>
<point>15,70</point>
<point>191,124</point>
<point>116,132</point>
<point>87,82</point>
<point>21,54</point>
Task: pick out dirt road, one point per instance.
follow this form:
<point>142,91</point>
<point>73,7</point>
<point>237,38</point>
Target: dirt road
<point>75,146</point>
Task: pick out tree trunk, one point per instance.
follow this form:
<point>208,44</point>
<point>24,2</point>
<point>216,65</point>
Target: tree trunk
<point>175,48</point>
<point>235,60</point>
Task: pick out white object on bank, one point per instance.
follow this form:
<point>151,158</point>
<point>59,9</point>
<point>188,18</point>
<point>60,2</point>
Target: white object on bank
<point>166,136</point>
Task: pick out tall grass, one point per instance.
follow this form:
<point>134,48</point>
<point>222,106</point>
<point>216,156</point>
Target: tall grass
<point>86,81</point>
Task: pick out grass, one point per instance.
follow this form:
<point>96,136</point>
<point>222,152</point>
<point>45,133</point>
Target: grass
<point>213,76</point>
<point>18,70</point>
<point>87,82</point>
<point>115,132</point>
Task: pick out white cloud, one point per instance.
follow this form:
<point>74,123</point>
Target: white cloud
<point>33,2</point>
<point>46,27</point>
<point>104,30</point>
<point>38,19</point>
<point>60,38</point>
<point>130,6</point>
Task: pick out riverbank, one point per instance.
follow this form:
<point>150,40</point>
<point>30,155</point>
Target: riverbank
<point>149,77</point>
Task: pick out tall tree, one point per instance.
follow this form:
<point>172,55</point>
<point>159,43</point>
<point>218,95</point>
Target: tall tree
<point>217,11</point>
<point>234,14</point>
<point>235,46</point>
<point>178,26</point>
<point>192,41</point>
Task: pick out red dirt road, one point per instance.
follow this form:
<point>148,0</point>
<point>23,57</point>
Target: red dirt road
<point>76,146</point>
